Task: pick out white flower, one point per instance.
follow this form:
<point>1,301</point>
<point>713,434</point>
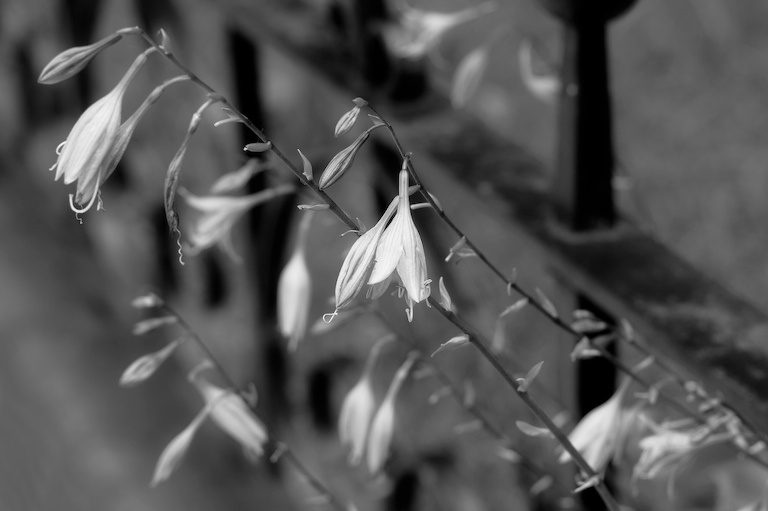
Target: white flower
<point>383,424</point>
<point>400,248</point>
<point>358,408</point>
<point>419,32</point>
<point>218,214</point>
<point>231,413</point>
<point>294,291</point>
<point>86,155</point>
<point>357,265</point>
<point>598,434</point>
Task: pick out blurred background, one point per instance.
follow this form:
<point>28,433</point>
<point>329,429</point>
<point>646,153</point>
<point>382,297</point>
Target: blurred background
<point>688,80</point>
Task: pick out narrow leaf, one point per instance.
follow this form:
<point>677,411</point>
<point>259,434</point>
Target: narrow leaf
<point>534,431</point>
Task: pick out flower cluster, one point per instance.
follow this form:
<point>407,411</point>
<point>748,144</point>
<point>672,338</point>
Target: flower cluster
<point>384,252</point>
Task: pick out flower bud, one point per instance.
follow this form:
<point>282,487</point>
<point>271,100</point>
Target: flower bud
<point>70,62</point>
<point>346,122</point>
<point>340,163</point>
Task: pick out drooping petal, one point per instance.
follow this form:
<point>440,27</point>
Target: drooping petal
<point>174,452</point>
<point>382,427</point>
<point>231,413</point>
<point>355,268</point>
<point>294,291</point>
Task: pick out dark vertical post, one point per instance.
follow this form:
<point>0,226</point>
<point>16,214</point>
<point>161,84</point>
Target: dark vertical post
<point>583,190</point>
<point>268,240</point>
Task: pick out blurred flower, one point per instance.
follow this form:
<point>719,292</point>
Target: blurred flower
<point>86,154</point>
<point>400,248</point>
<point>667,447</point>
<point>597,435</point>
<point>358,408</point>
<point>418,32</point>
<point>217,215</point>
<point>174,452</point>
<point>544,87</point>
<point>294,290</point>
<point>380,436</point>
<point>231,413</point>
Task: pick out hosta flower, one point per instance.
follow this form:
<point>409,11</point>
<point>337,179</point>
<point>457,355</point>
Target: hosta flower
<point>218,214</point>
<point>667,447</point>
<point>419,31</point>
<point>598,434</point>
<point>400,249</point>
<point>231,413</point>
<point>86,155</point>
<point>358,408</point>
<point>294,290</point>
<point>383,425</point>
<point>357,265</point>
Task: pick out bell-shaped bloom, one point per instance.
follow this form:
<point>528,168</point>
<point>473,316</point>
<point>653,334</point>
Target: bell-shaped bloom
<point>294,290</point>
<point>86,154</point>
<point>174,452</point>
<point>401,249</point>
<point>231,413</point>
<point>598,435</point>
<point>217,215</point>
<point>358,408</point>
<point>420,31</point>
<point>383,424</point>
<point>357,265</point>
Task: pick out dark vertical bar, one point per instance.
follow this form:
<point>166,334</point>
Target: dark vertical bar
<point>582,189</point>
<point>267,237</point>
<point>81,17</point>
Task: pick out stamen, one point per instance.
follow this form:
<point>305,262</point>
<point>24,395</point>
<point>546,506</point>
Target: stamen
<point>60,147</point>
<point>86,208</point>
<point>178,243</point>
<point>409,314</point>
<point>330,316</point>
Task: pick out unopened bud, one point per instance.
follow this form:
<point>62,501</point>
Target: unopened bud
<point>340,163</point>
<point>70,62</point>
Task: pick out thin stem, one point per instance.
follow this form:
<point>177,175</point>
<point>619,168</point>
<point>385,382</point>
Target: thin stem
<point>476,340</point>
<point>252,127</point>
<point>536,304</point>
<point>281,448</point>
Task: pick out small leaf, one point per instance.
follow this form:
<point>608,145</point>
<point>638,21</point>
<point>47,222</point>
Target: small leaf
<point>584,350</point>
<point>307,166</point>
<point>313,207</point>
<point>438,395</point>
<point>174,452</point>
<point>258,147</point>
<point>233,181</point>
<point>468,427</point>
<point>589,483</point>
<point>547,305</point>
<point>540,486</point>
<point>445,298</point>
<point>452,344</point>
<point>165,42</point>
<point>508,454</point>
<point>144,367</point>
<point>515,307</point>
<point>534,431</point>
<point>526,381</point>
<point>147,301</point>
<point>468,75</point>
<point>147,325</point>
